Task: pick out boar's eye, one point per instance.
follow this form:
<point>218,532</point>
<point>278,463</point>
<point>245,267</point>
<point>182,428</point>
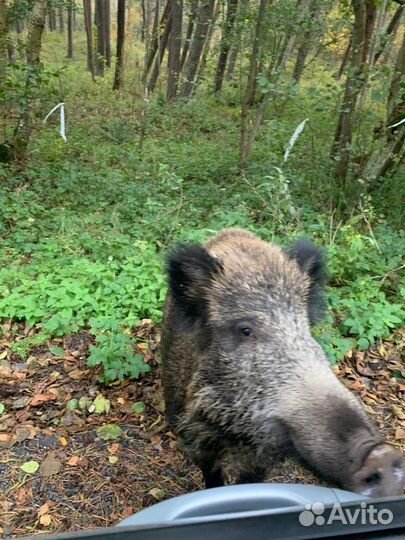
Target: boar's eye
<point>373,478</point>
<point>247,331</point>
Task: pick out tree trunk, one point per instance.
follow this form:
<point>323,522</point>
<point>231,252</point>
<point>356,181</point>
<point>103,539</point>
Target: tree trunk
<point>174,49</point>
<point>51,17</point>
<point>143,29</point>
<point>119,66</point>
<point>107,29</point>
<point>233,56</point>
<point>161,52</point>
<point>70,29</point>
<point>305,44</point>
<point>156,36</point>
<point>344,131</point>
<point>248,98</point>
<point>206,49</point>
<point>61,18</point>
<point>204,19</point>
<point>89,36</point>
<point>33,47</point>
<point>189,32</point>
<point>345,59</point>
<point>391,31</point>
<point>396,98</point>
<point>100,28</point>
<point>225,44</point>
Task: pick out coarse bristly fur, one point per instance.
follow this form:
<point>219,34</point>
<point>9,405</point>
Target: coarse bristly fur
<point>243,376</point>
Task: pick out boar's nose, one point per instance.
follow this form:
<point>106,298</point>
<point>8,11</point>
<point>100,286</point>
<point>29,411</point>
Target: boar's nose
<point>382,473</point>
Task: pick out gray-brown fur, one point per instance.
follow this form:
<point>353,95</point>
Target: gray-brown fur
<point>243,377</point>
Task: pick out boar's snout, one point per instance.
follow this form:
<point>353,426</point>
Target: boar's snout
<point>382,473</point>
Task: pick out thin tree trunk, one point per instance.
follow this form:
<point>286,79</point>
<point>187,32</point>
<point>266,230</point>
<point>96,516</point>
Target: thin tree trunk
<point>344,130</point>
<point>225,44</point>
<point>306,44</point>
<point>51,17</point>
<point>143,28</point>
<point>251,85</point>
<point>89,36</point>
<point>391,31</point>
<point>156,36</point>
<point>33,47</point>
<point>119,66</point>
<point>174,49</point>
<point>70,29</point>
<point>204,18</point>
<point>233,56</point>
<point>107,29</point>
<point>100,27</point>
<point>189,32</point>
<point>376,41</point>
<point>61,18</point>
<point>206,49</point>
<point>162,49</point>
<point>396,98</point>
<point>345,59</point>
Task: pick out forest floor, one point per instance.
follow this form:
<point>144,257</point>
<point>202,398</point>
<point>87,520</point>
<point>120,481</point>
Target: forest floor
<point>60,472</point>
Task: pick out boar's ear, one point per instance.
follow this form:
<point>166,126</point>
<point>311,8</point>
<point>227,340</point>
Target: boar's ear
<point>191,270</point>
<point>311,260</point>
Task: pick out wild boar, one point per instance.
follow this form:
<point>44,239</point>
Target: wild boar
<point>243,376</point>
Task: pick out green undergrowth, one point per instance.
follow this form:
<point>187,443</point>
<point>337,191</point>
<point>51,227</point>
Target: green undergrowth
<point>85,228</point>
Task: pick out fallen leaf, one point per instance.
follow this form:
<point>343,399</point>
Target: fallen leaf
<point>157,493</point>
<point>108,432</point>
<point>138,407</point>
<point>101,405</point>
<point>30,467</point>
<point>113,448</point>
<point>45,520</point>
<point>3,354</point>
<point>38,399</point>
<point>56,351</point>
<point>44,509</point>
<point>73,461</point>
<point>113,459</point>
<point>73,404</point>
<point>400,433</point>
<point>77,374</point>
<point>398,411</point>
<point>50,466</point>
<point>25,432</point>
<point>5,440</point>
<point>63,441</point>
<point>2,408</point>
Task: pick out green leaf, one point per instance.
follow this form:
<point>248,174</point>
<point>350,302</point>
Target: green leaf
<point>138,407</point>
<point>101,405</point>
<point>56,351</point>
<point>109,431</point>
<point>30,467</point>
<point>2,408</point>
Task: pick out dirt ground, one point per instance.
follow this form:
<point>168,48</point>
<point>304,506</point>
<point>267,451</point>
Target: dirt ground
<point>57,470</point>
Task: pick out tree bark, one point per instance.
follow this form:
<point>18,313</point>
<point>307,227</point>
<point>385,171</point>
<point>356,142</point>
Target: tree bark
<point>174,49</point>
<point>100,28</point>
<point>70,29</point>
<point>248,98</point>
<point>206,49</point>
<point>204,19</point>
<point>161,52</point>
<point>107,30</point>
<point>36,26</point>
<point>396,98</point>
<point>391,30</point>
<point>189,32</point>
<point>89,36</point>
<point>61,19</point>
<point>306,43</point>
<point>156,36</point>
<point>225,44</point>
<point>344,131</point>
<point>119,66</point>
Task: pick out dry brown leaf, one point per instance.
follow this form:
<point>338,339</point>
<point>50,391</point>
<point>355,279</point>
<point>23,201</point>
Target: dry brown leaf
<point>77,374</point>
<point>45,520</point>
<point>23,433</point>
<point>5,439</point>
<point>113,448</point>
<point>398,411</point>
<point>50,466</point>
<point>38,399</point>
<point>63,441</point>
<point>400,433</point>
<point>43,510</point>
